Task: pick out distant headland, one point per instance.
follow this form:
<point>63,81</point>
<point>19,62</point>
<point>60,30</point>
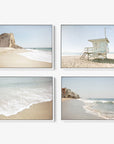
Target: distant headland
<point>8,40</point>
<point>67,93</point>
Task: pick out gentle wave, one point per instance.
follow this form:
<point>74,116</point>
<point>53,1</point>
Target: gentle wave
<point>38,55</point>
<point>96,101</point>
<point>102,108</point>
<point>98,113</point>
<point>15,99</point>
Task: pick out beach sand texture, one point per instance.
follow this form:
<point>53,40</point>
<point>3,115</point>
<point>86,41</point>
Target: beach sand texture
<point>72,109</point>
<point>76,62</point>
<point>40,111</point>
<point>9,57</point>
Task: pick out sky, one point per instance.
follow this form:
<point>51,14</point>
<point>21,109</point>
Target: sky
<point>32,36</point>
<point>75,37</point>
<point>90,87</point>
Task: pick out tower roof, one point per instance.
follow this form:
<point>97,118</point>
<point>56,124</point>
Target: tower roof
<point>100,39</point>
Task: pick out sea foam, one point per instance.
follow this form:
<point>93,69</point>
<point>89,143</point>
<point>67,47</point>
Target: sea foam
<point>17,97</point>
<point>103,108</point>
<point>38,55</point>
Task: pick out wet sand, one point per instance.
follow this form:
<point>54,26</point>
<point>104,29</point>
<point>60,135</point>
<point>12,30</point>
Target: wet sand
<point>76,62</point>
<point>9,57</point>
<point>40,111</point>
<point>72,109</point>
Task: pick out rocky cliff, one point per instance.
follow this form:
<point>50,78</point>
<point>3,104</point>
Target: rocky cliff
<point>8,40</point>
<point>67,93</point>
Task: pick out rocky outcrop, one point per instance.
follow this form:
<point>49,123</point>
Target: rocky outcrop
<point>67,93</point>
<point>8,40</point>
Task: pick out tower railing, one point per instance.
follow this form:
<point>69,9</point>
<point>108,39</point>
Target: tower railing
<point>89,49</point>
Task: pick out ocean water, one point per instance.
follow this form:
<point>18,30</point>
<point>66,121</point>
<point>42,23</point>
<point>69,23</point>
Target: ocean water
<point>111,52</point>
<point>71,54</point>
<point>39,54</point>
<point>102,107</point>
<point>76,53</point>
<point>17,94</point>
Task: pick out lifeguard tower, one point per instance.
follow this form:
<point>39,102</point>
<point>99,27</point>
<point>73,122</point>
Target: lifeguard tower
<point>99,49</point>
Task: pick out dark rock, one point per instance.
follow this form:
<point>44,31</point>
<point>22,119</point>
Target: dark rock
<point>67,93</point>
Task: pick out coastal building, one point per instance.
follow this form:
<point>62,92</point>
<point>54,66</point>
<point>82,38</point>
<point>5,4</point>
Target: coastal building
<point>99,50</point>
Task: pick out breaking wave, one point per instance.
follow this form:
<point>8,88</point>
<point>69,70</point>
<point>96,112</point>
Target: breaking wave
<point>38,55</point>
<point>101,107</point>
<point>17,96</point>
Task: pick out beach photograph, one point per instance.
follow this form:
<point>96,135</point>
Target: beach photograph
<point>87,46</point>
<point>26,98</point>
<point>26,46</point>
<point>87,98</point>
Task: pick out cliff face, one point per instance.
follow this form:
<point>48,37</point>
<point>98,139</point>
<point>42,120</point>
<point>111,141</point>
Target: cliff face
<point>67,93</point>
<point>8,40</point>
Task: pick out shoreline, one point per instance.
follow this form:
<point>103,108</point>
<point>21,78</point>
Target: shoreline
<point>76,62</point>
<point>11,57</point>
<point>73,109</point>
<point>39,111</point>
<point>64,99</point>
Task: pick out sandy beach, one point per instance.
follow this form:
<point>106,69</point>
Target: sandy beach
<point>40,111</point>
<point>9,57</point>
<point>72,109</point>
<point>76,62</point>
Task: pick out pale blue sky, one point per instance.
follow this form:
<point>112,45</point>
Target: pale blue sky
<point>75,37</point>
<point>30,35</point>
<point>90,87</point>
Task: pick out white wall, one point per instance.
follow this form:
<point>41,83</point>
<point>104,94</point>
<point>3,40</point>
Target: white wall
<point>56,13</point>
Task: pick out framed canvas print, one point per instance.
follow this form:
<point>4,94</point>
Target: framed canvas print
<point>87,98</point>
<point>26,46</point>
<point>26,98</point>
<point>87,46</point>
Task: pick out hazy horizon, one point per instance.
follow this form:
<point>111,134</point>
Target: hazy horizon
<point>30,36</point>
<point>90,87</point>
<point>75,37</point>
